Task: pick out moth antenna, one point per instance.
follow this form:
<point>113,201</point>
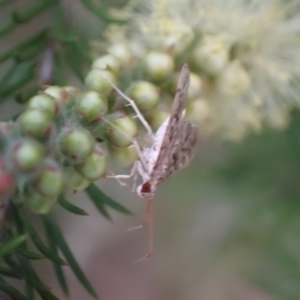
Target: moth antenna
<point>133,105</point>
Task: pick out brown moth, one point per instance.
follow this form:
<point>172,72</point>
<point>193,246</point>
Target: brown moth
<point>173,148</point>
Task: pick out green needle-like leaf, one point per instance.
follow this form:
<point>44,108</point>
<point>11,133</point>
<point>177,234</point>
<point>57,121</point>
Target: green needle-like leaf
<point>10,273</point>
<point>11,291</point>
<point>100,13</point>
<point>97,195</point>
<point>29,291</point>
<point>30,254</point>
<point>7,26</point>
<point>30,275</point>
<point>62,244</point>
<point>11,245</point>
<point>57,268</point>
<point>3,2</point>
<point>36,39</point>
<point>38,242</point>
<point>10,261</point>
<point>74,63</point>
<point>33,10</point>
<point>19,75</point>
<point>26,94</point>
<point>59,70</point>
<point>99,205</point>
<point>71,207</point>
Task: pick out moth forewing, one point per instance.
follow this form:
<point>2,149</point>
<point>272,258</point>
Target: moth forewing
<point>173,128</point>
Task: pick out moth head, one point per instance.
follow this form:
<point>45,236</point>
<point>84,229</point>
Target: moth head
<point>145,190</point>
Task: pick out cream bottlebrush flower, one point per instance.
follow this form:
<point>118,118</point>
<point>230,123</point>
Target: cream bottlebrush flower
<point>247,53</point>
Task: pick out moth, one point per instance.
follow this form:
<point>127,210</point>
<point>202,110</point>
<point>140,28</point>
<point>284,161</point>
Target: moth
<point>173,147</point>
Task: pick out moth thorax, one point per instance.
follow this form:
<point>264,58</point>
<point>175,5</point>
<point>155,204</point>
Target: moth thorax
<point>145,190</point>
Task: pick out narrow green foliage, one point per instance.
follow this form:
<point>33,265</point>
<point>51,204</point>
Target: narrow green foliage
<point>29,291</point>
<point>57,267</point>
<point>99,204</point>
<point>10,262</point>
<point>30,275</point>
<point>62,244</point>
<point>74,61</point>
<point>32,51</point>
<point>37,39</point>
<point>99,197</point>
<point>32,11</point>
<point>24,95</point>
<point>17,220</point>
<point>7,26</point>
<point>10,273</point>
<point>11,245</point>
<point>38,242</point>
<point>19,75</point>
<point>101,14</point>
<point>101,208</point>
<point>11,291</point>
<point>71,207</point>
<point>59,70</point>
<point>3,2</point>
<point>30,254</point>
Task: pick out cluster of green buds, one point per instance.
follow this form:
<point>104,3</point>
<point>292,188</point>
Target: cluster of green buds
<point>53,145</point>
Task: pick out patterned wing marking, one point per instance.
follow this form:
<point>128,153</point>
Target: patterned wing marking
<point>173,128</point>
<point>182,153</point>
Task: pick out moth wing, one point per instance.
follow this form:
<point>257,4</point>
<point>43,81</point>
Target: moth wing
<point>182,153</point>
<point>174,126</point>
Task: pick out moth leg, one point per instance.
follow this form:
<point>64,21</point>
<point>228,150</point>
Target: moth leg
<point>133,105</point>
<point>125,176</point>
<point>133,172</point>
<point>149,221</point>
<point>121,183</point>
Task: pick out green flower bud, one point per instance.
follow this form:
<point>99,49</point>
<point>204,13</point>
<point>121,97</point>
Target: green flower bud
<point>76,144</point>
<point>124,156</point>
<point>122,131</point>
<point>58,93</point>
<point>94,166</point>
<point>159,66</point>
<point>50,180</point>
<point>96,80</point>
<point>211,53</point>
<point>145,95</point>
<point>91,106</point>
<point>156,117</point>
<point>200,112</point>
<point>233,81</point>
<point>72,91</point>
<point>36,123</point>
<point>43,102</point>
<point>122,52</point>
<point>195,86</point>
<point>107,62</point>
<point>39,204</point>
<point>27,154</point>
<point>75,181</point>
